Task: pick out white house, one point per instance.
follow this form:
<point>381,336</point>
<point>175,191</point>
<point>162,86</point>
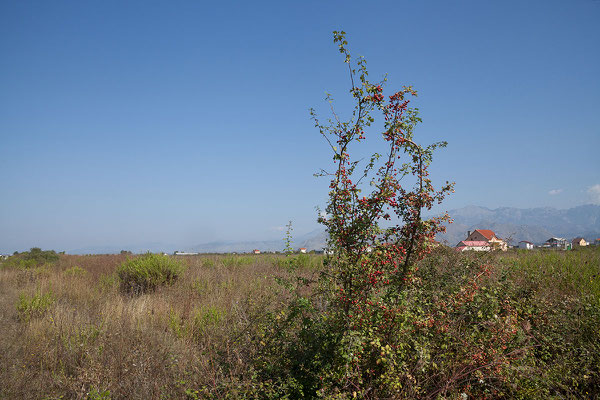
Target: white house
<point>184,253</point>
<point>556,242</point>
<point>475,245</point>
<point>524,244</point>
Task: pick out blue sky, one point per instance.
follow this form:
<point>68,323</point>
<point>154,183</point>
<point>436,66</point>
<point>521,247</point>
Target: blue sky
<point>186,122</point>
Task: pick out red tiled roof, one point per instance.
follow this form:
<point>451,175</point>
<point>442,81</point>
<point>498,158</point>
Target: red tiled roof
<point>486,233</point>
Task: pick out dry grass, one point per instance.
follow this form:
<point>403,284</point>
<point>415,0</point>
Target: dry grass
<point>93,339</point>
<point>68,332</point>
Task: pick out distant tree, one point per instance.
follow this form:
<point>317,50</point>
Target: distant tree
<point>34,257</point>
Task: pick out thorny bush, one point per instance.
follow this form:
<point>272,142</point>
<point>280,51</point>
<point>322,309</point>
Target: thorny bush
<point>381,320</point>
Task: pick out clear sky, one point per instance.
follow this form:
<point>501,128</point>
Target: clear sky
<point>187,122</point>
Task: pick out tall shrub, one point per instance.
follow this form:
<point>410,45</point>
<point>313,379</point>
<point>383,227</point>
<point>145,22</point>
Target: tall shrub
<point>375,222</point>
<point>346,337</point>
<point>146,273</point>
<point>368,256</point>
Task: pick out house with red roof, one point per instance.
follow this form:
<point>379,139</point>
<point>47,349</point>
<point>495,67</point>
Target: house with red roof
<point>482,240</point>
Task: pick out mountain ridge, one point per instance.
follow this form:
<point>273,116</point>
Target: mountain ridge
<point>532,224</point>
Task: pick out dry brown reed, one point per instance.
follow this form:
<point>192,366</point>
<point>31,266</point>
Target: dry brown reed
<point>93,339</point>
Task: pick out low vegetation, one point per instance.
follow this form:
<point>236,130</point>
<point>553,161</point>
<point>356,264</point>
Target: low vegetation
<point>512,325</point>
<point>143,274</point>
<point>33,306</point>
<point>35,257</point>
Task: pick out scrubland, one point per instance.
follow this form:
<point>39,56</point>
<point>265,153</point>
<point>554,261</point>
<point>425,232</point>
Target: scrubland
<point>502,325</point>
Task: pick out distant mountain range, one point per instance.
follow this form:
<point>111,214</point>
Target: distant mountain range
<point>532,224</point>
<point>535,225</point>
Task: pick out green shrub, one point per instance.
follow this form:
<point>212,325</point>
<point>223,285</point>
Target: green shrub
<point>206,316</point>
<point>208,263</point>
<point>199,322</point>
<point>237,261</point>
<point>75,271</point>
<point>32,258</point>
<point>96,394</point>
<point>109,282</point>
<point>146,273</point>
<point>301,261</point>
<point>33,306</point>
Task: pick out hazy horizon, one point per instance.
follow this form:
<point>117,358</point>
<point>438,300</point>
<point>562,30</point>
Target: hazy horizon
<point>158,246</point>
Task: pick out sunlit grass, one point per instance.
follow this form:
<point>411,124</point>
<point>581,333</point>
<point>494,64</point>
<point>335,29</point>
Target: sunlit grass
<point>68,329</point>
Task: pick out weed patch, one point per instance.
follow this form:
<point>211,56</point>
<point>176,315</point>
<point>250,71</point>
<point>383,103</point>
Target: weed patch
<point>30,307</point>
<point>146,273</point>
<point>75,271</point>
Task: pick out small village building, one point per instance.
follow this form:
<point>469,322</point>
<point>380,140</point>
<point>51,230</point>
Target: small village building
<point>485,235</point>
<point>475,245</point>
<point>556,242</point>
<point>524,244</point>
<point>302,250</point>
<point>256,251</point>
<point>579,241</point>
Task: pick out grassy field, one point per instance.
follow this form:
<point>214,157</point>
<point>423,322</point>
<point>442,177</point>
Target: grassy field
<point>70,331</point>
